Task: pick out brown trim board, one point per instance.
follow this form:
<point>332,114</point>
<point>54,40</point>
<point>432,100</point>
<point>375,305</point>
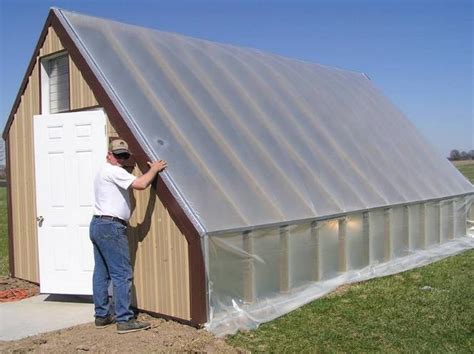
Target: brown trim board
<point>197,283</point>
<point>11,253</point>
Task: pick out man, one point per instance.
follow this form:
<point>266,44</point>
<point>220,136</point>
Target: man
<point>108,233</point>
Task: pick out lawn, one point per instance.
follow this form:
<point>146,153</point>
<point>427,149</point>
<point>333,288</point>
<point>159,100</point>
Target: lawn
<point>429,309</point>
<point>468,171</point>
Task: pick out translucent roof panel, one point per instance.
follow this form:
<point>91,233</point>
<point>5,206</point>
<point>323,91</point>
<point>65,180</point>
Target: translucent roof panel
<point>253,138</point>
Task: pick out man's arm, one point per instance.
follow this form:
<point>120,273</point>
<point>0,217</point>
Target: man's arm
<point>145,180</point>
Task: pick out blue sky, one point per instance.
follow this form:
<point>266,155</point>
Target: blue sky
<point>419,53</point>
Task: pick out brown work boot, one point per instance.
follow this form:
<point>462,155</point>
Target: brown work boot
<point>132,326</point>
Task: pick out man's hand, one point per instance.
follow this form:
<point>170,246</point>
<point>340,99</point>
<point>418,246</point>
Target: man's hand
<point>144,180</point>
<point>158,166</point>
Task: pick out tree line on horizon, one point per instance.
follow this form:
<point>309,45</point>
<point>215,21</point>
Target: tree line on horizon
<point>457,155</point>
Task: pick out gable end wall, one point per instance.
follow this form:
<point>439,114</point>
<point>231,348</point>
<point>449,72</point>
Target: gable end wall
<point>161,267</point>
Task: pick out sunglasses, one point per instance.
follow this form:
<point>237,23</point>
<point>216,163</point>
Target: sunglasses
<point>122,156</point>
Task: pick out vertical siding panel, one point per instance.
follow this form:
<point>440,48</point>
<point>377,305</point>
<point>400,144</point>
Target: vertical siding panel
<point>81,95</point>
<point>155,300</point>
<point>30,181</point>
<point>171,273</point>
<point>147,245</point>
<point>23,241</point>
<point>74,97</point>
<point>57,46</point>
<point>181,287</point>
<point>24,207</point>
<point>160,268</point>
<point>173,265</point>
<point>164,300</point>
<point>51,44</point>
<point>147,266</point>
<point>178,271</point>
<point>162,244</point>
<point>138,273</point>
<point>171,270</point>
<point>25,112</point>
<point>16,195</point>
<point>111,132</point>
<point>159,248</point>
<point>22,184</point>
<point>35,87</point>
<point>154,249</point>
<point>175,270</point>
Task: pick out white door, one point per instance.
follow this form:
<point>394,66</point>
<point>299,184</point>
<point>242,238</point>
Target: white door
<point>69,149</point>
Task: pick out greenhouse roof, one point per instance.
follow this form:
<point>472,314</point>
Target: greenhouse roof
<point>253,138</point>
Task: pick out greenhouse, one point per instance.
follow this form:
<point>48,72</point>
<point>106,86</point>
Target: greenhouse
<point>286,178</point>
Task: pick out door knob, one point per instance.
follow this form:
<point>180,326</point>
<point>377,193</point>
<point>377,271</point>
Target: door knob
<point>40,220</point>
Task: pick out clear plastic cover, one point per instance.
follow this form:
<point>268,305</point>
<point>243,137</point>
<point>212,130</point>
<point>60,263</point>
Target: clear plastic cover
<point>257,139</point>
<point>257,276</point>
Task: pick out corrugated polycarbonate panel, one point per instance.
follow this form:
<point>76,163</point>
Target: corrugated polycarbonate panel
<point>416,226</point>
<point>357,242</point>
<point>255,139</point>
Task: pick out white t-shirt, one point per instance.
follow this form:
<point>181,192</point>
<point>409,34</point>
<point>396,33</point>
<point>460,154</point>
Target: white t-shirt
<point>111,191</point>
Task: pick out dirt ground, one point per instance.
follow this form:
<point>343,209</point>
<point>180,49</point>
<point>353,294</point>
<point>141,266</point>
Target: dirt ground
<point>12,289</point>
<point>163,336</point>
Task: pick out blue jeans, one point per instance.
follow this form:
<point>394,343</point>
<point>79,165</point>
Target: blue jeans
<point>112,262</point>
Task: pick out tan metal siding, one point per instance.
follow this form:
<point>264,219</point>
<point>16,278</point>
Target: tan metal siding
<point>111,132</point>
<point>81,95</point>
<point>51,43</point>
<point>159,255</point>
<point>160,258</point>
<point>23,183</point>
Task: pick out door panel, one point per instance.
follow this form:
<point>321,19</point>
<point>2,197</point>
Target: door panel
<point>69,149</point>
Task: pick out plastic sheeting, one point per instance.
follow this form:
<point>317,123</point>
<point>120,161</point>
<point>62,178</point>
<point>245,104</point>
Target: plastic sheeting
<point>257,276</point>
<point>256,139</point>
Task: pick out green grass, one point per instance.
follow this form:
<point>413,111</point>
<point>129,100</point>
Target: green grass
<point>393,314</point>
<point>3,232</point>
<point>468,171</point>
